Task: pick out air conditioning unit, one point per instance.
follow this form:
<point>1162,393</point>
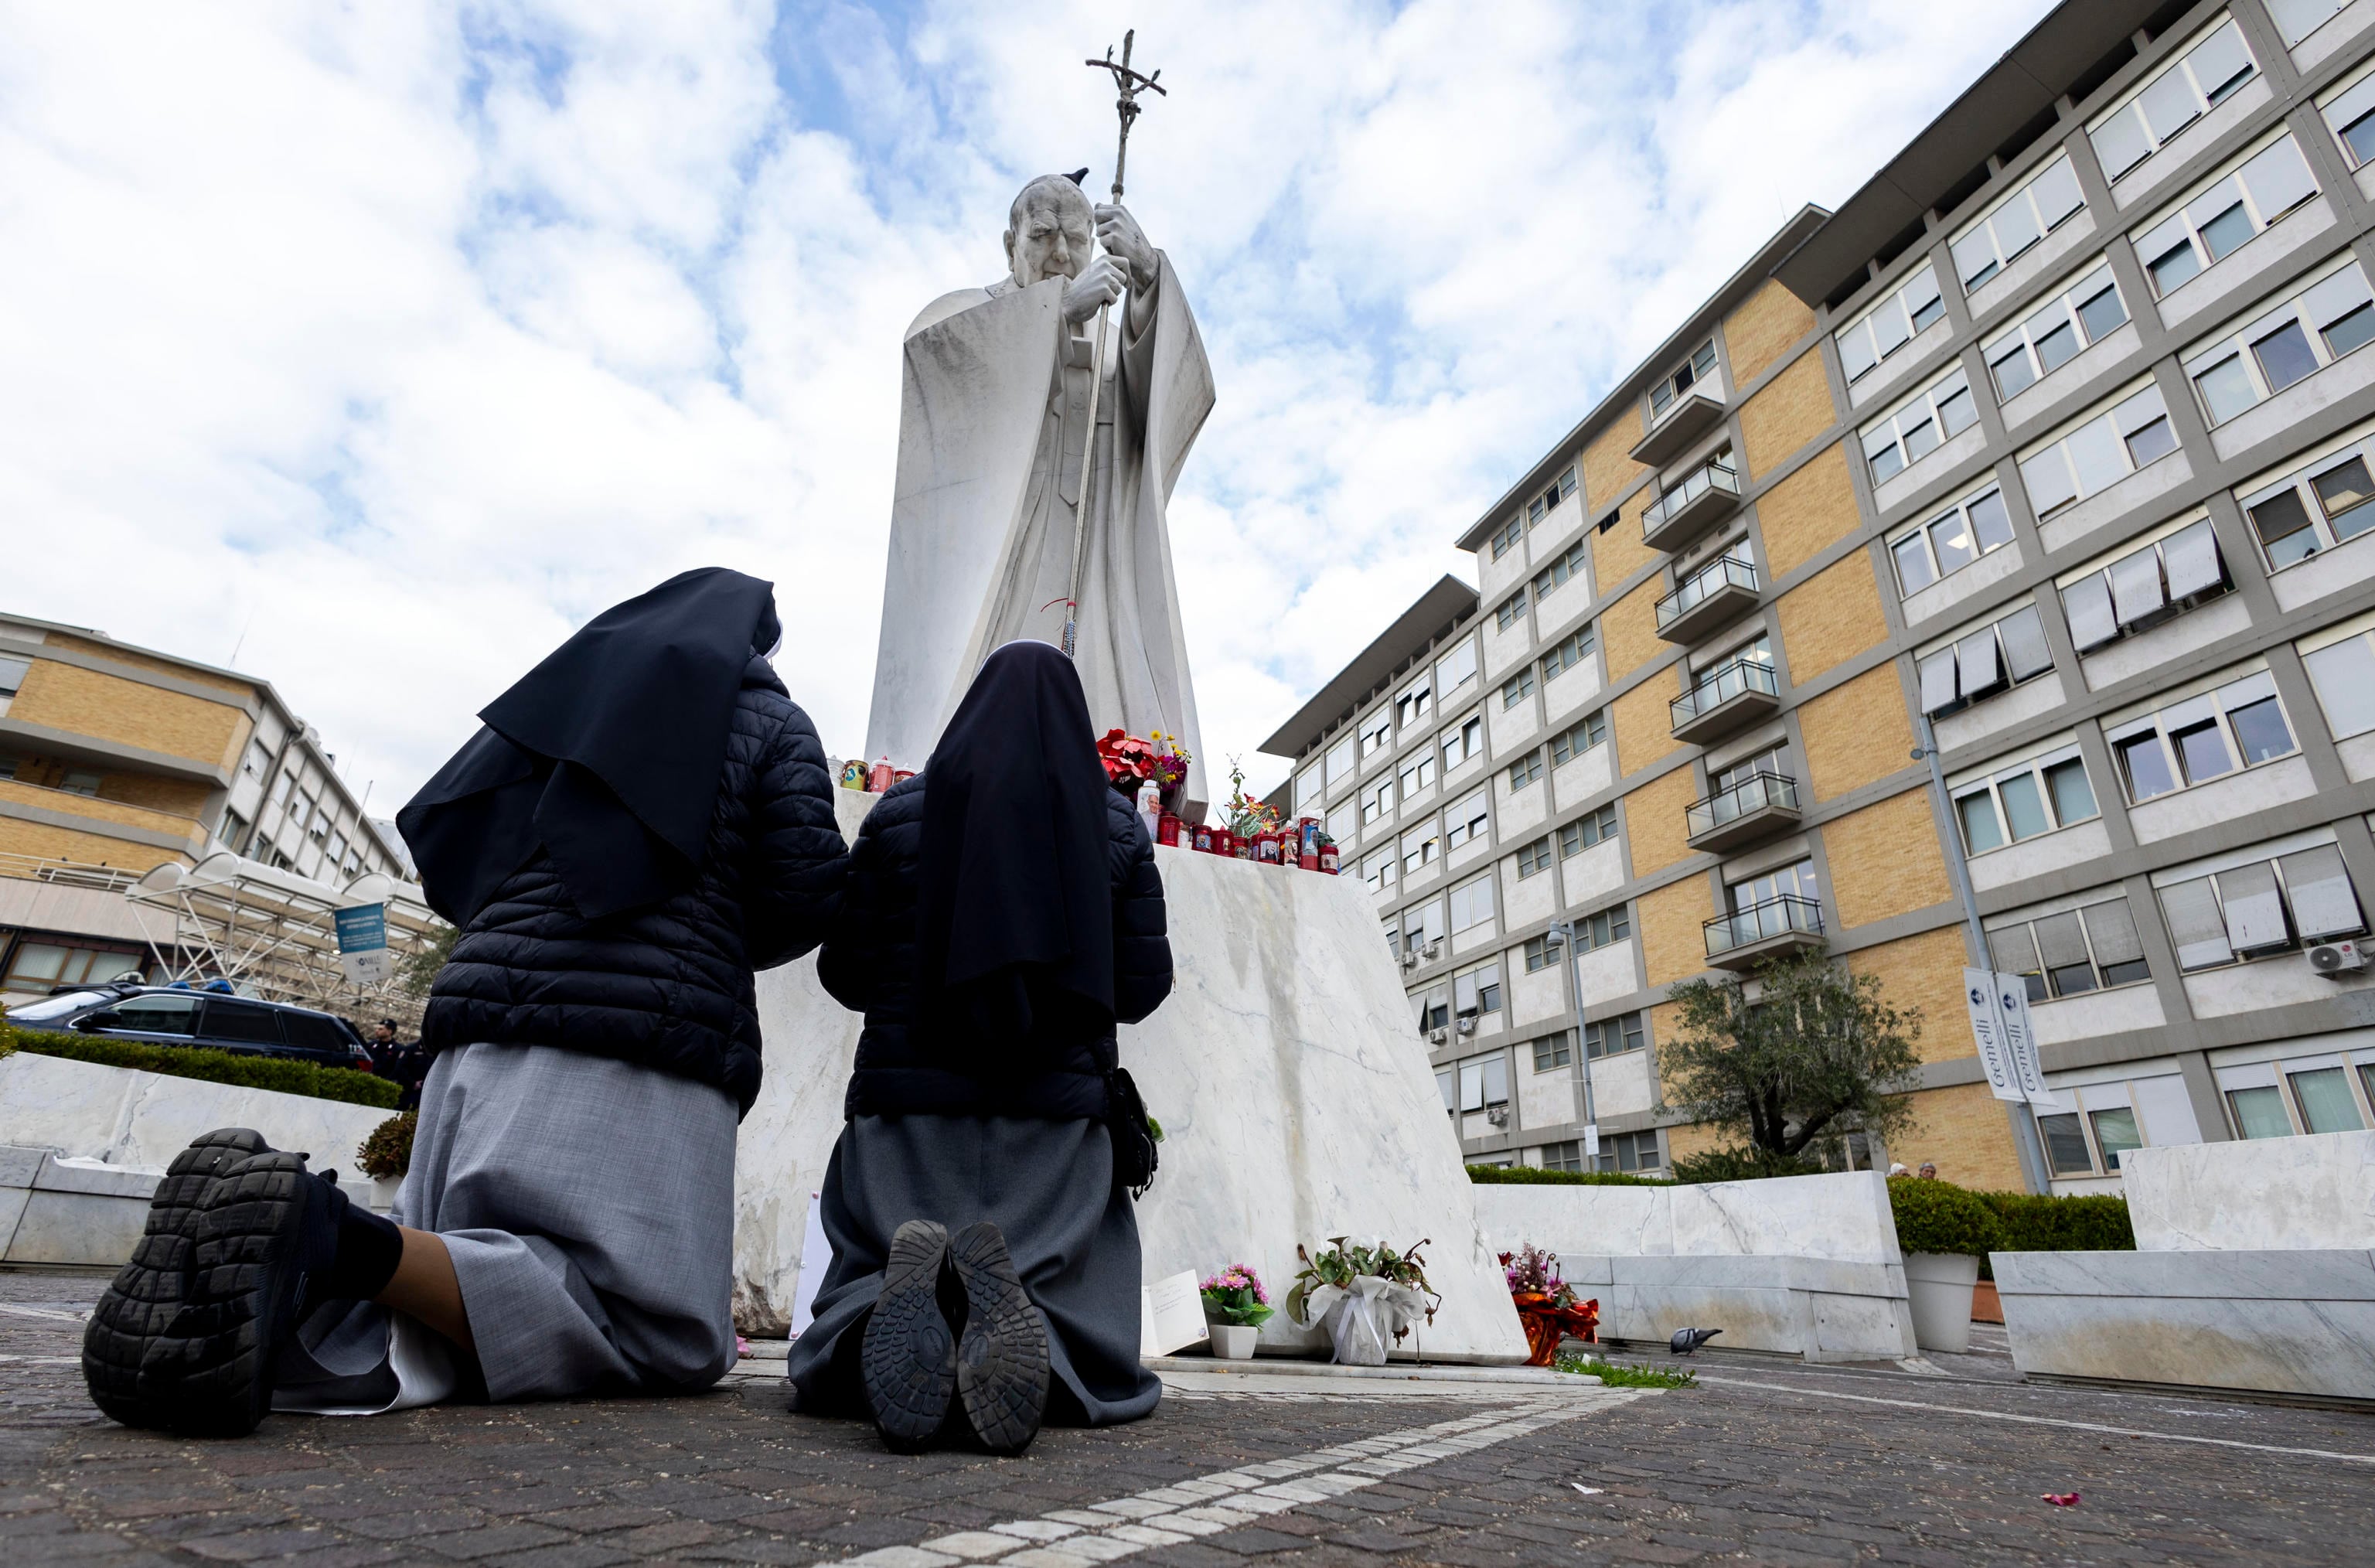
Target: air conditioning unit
<point>1438,1035</point>
<point>1468,1026</point>
<point>1498,1116</point>
<point>1434,951</point>
<point>2334,959</point>
<point>1410,961</point>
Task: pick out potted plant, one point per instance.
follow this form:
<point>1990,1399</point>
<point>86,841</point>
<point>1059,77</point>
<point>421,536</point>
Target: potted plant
<point>1547,1308</point>
<point>386,1155</point>
<point>1366,1294</point>
<point>1943,1231</point>
<point>1236,1306</point>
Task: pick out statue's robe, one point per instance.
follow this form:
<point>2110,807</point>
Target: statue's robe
<point>993,409</point>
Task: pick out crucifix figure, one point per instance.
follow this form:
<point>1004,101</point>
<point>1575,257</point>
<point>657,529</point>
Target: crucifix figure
<point>1008,521</point>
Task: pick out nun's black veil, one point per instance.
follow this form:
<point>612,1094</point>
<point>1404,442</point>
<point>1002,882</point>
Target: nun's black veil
<point>606,755</point>
<point>1015,909</point>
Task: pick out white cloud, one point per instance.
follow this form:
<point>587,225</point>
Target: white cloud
<point>404,339</point>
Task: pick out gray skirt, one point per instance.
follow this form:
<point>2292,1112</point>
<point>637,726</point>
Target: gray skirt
<point>588,1206</point>
<point>1049,1186</point>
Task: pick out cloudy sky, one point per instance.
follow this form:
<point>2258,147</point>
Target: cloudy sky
<point>386,344</point>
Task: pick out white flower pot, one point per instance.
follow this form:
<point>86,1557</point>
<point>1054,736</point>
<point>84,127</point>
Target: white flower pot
<point>1233,1341</point>
<point>383,1192</point>
<point>1939,1284</point>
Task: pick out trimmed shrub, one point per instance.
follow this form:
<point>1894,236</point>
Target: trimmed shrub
<point>274,1073</point>
<point>388,1152</point>
<point>2036,1221</point>
<point>1735,1164</point>
<point>1521,1176</point>
<point>1940,1217</point>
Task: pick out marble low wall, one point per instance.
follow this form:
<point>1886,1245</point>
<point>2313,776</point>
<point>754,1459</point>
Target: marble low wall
<point>2272,1194</point>
<point>1804,1266</point>
<point>2299,1321</point>
<point>141,1119</point>
<point>1295,1105</point>
<point>59,1209</point>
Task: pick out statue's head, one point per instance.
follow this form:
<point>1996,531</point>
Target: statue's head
<point>1050,231</point>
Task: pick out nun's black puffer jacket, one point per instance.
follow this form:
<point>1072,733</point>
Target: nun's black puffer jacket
<point>668,986</point>
<point>869,964</point>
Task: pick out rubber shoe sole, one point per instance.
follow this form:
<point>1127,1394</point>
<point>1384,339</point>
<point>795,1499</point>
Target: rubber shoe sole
<point>1002,1360</point>
<point>148,1291</point>
<point>262,1232</point>
<point>910,1355</point>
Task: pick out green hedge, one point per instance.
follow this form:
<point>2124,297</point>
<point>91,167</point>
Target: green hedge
<point>1939,1217</point>
<point>1526,1174</point>
<point>1735,1164</point>
<point>209,1066</point>
<point>2042,1223</point>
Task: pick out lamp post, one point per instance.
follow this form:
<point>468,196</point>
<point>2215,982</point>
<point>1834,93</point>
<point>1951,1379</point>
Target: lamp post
<point>1565,931</point>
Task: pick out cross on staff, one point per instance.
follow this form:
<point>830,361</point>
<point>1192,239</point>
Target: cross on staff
<point>1127,83</point>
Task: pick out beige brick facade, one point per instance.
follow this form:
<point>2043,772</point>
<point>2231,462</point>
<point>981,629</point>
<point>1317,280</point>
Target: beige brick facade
<point>1856,732</point>
<point>1764,329</point>
<point>99,810</point>
<point>1885,860</point>
<point>1807,510</point>
<point>1607,467</point>
<point>1628,630</point>
<point>1654,823</point>
<point>1831,617</point>
<point>1924,974</point>
<point>1671,922</point>
<point>1792,410</point>
<point>1963,1131</point>
<point>107,707</point>
<point>42,841</point>
<point>1644,723</point>
<point>1619,553</point>
<point>132,658</point>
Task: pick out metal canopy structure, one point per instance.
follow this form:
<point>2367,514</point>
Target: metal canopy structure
<point>275,934</point>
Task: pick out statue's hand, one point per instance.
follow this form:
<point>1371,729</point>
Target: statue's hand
<point>1100,284</point>
<point>1120,235</point>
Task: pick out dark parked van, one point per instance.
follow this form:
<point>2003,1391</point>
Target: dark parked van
<point>175,1016</point>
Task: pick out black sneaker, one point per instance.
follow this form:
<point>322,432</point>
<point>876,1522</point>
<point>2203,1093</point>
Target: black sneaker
<point>910,1355</point>
<point>1002,1360</point>
<point>268,1231</point>
<point>149,1291</point>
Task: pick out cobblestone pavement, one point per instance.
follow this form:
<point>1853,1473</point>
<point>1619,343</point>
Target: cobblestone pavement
<point>1767,1461</point>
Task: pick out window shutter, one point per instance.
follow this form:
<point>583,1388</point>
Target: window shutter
<point>2324,901</point>
<point>2023,641</point>
<point>2112,927</point>
<point>2060,942</point>
<point>2135,586</point>
<point>2087,601</point>
<point>2191,556</point>
<point>1938,681</point>
<point>2255,912</point>
<point>2195,924</point>
<point>1975,662</point>
<point>2014,951</point>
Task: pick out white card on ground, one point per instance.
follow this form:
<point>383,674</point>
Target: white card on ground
<point>1170,1315</point>
<point>816,1256</point>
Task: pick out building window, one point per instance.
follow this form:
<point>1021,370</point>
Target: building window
<point>2305,333</point>
<point>1982,663</point>
<point>1506,537</point>
<point>1310,786</point>
<point>1613,1036</point>
<point>1578,737</point>
<point>2232,209</point>
<point>2074,318</point>
<point>2315,508</point>
<point>1553,577</point>
<point>1456,668</point>
<point>1892,323</point>
<point>1377,871</point>
<point>1477,990</point>
<point>1552,1050</point>
<point>2350,114</point>
<point>258,761</point>
<point>1605,928</point>
<point>1377,801</point>
<point>1795,880</point>
<point>1568,1156</point>
<point>1340,758</point>
<point>1413,705</point>
<point>1463,742</point>
<point>1569,650</point>
<point>2038,796</point>
<point>1435,1009</point>
<point>1517,687</point>
<point>1511,608</point>
<point>2048,200</point>
<point>1747,668</point>
<point>1344,822</point>
<point>40,966</point>
<point>1417,775</point>
<point>2296,19</point>
<point>1534,857</point>
<point>1952,540</point>
<point>1485,1082</point>
<point>1525,770</point>
<point>2131,434</point>
<point>1917,427</point>
<point>2210,69</point>
<point>1630,1151</point>
<point>234,829</point>
<point>1377,733</point>
<point>1599,827</point>
<point>1423,927</point>
<point>1420,846</point>
<point>1466,819</point>
<point>1542,951</point>
<point>2145,587</point>
<point>1684,378</point>
<point>2238,725</point>
<point>2261,907</point>
<point>79,781</point>
<point>1472,903</point>
<point>2343,675</point>
<point>2078,950</point>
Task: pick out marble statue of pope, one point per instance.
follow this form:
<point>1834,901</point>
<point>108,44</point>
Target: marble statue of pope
<point>994,406</point>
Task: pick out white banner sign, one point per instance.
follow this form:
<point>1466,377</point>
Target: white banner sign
<point>1999,1012</point>
<point>2012,1002</point>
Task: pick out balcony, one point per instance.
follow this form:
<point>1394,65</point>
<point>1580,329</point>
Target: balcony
<point>1703,498</point>
<point>1733,695</point>
<point>1774,928</point>
<point>1711,597</point>
<point>1694,414</point>
<point>1756,808</point>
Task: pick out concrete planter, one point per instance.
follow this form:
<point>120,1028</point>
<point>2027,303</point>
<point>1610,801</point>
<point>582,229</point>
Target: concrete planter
<point>1940,1285</point>
<point>1233,1341</point>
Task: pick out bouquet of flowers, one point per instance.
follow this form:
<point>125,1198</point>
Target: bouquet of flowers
<point>1170,765</point>
<point>1547,1307</point>
<point>1248,817</point>
<point>1235,1297</point>
<point>1362,1291</point>
<point>1130,760</point>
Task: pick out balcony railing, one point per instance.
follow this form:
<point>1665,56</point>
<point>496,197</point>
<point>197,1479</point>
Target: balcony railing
<point>1789,916</point>
<point>1757,792</point>
<point>1731,679</point>
<point>1708,490</point>
<point>1686,418</point>
<point>1725,573</point>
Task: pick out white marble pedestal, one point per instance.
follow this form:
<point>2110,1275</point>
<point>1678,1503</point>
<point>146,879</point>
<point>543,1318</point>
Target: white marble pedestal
<point>1296,1104</point>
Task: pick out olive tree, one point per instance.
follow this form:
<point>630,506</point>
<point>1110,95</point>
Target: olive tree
<point>1803,1053</point>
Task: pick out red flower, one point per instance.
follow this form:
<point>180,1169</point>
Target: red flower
<point>1125,756</point>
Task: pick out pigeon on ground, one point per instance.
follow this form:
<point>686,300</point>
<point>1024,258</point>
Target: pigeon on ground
<point>1685,1340</point>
